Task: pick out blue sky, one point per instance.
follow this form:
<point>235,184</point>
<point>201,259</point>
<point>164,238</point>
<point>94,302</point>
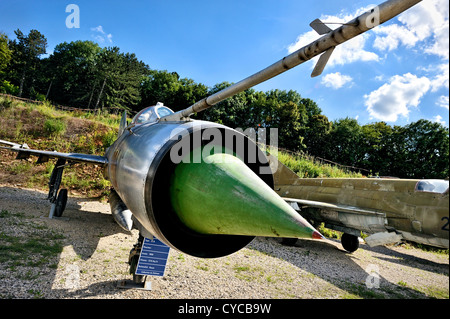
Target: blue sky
<point>398,72</point>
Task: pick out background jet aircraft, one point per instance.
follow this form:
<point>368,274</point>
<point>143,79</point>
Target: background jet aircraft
<point>388,209</point>
<point>216,206</point>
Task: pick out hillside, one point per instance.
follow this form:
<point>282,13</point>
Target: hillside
<point>41,126</point>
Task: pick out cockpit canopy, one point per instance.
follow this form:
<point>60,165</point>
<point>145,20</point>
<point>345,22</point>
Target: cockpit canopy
<point>151,114</point>
<point>432,186</point>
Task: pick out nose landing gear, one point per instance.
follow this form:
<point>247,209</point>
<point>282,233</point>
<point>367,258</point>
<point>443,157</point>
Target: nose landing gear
<point>134,259</point>
<point>58,199</point>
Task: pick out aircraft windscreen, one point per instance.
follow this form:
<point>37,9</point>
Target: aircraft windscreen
<point>146,115</point>
<point>151,114</point>
<point>163,111</point>
<point>432,186</point>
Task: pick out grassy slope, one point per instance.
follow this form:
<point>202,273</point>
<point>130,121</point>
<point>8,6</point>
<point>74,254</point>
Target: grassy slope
<point>44,127</point>
<point>306,167</point>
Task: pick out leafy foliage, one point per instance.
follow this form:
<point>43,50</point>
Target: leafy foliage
<point>166,87</point>
<point>25,65</point>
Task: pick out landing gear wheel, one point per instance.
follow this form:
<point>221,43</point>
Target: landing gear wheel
<point>61,202</point>
<point>349,242</point>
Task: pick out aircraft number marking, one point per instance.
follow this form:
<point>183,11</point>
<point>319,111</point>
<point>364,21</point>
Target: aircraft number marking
<point>445,227</point>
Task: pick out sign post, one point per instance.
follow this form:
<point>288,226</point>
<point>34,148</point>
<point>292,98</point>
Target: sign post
<point>152,262</point>
<point>153,258</point>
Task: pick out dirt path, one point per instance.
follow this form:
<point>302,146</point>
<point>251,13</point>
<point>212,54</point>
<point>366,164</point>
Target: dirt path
<point>93,257</point>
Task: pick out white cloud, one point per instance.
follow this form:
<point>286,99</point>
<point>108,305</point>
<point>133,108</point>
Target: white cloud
<point>98,29</point>
<point>426,17</point>
<point>395,98</point>
<point>443,101</point>
<point>427,21</point>
<point>394,35</point>
<point>350,51</point>
<point>440,46</point>
<point>302,40</point>
<point>441,80</point>
<point>336,80</point>
<point>100,35</point>
<point>438,119</point>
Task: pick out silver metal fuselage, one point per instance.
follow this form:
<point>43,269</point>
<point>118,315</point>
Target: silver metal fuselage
<point>130,159</point>
<point>140,168</point>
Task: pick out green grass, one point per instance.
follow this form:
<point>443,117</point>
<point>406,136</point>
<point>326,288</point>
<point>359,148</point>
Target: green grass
<point>54,126</point>
<point>27,248</point>
<point>40,246</point>
<point>43,127</point>
<point>307,167</point>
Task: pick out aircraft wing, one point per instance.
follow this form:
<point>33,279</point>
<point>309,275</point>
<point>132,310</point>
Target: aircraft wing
<point>346,218</point>
<point>336,207</point>
<point>24,152</point>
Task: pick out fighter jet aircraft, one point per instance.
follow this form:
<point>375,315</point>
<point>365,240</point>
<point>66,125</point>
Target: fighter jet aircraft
<point>199,187</point>
<point>389,209</point>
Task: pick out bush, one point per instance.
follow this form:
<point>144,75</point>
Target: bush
<point>40,97</point>
<point>54,126</point>
<point>109,138</point>
<point>8,88</point>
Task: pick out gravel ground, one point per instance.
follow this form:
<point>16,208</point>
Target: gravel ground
<point>93,256</point>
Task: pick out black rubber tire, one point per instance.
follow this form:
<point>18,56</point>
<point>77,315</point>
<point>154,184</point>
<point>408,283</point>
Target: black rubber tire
<point>349,242</point>
<point>61,202</point>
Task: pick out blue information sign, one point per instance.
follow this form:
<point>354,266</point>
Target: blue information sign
<point>153,258</point>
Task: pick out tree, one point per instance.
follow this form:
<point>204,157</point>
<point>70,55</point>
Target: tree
<point>5,53</point>
<point>232,111</point>
<point>422,150</point>
<point>258,110</point>
<point>82,74</point>
<point>344,142</point>
<point>26,52</point>
<point>289,118</point>
<point>168,88</point>
<point>376,146</point>
<point>118,76</point>
<point>312,109</point>
<point>71,73</point>
<point>316,133</point>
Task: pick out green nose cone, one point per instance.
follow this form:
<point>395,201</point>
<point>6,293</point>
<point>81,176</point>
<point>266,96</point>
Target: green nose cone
<point>222,195</point>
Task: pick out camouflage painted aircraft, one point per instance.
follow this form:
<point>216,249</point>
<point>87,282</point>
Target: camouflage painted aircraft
<point>389,209</point>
